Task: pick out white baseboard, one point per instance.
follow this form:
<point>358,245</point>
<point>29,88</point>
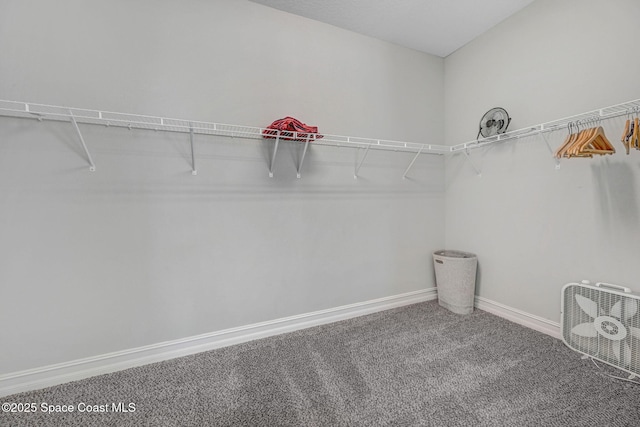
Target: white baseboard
<point>47,376</point>
<point>60,373</point>
<point>520,317</point>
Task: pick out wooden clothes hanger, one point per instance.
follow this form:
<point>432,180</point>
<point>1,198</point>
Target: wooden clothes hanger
<point>635,137</point>
<point>626,135</point>
<point>586,143</point>
<point>581,136</point>
<point>560,152</point>
<point>574,139</point>
<point>576,147</point>
<point>597,143</point>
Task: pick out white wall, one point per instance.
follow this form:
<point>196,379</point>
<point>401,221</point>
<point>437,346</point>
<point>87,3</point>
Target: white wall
<point>535,228</point>
<point>140,251</point>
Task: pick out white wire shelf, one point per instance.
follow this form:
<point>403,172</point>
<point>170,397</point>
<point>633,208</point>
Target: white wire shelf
<point>594,116</point>
<point>135,121</point>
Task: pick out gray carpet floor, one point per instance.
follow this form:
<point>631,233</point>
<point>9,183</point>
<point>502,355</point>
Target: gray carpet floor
<point>418,365</point>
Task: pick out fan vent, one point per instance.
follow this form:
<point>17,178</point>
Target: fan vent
<point>602,323</point>
<point>494,122</point>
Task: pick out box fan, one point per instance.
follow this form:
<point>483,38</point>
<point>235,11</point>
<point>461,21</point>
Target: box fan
<point>602,321</point>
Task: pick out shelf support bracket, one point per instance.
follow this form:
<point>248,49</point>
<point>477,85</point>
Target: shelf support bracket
<point>92,166</point>
<point>404,176</point>
<point>304,153</point>
<point>366,151</point>
<point>273,156</point>
<point>546,141</point>
<point>478,171</point>
<point>194,171</point>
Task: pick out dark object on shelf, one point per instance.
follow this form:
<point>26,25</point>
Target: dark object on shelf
<point>494,122</point>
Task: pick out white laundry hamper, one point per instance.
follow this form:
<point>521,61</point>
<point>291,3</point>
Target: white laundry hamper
<point>455,280</point>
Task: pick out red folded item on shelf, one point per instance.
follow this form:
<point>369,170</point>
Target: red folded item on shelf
<point>290,129</point>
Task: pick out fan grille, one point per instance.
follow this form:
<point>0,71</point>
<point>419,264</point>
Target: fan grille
<point>603,324</point>
<point>493,122</point>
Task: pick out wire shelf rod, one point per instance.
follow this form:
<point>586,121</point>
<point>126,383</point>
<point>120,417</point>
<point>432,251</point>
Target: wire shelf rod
<point>554,125</point>
<point>135,121</point>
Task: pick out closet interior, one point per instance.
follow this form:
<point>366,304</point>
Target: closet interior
<point>140,223</point>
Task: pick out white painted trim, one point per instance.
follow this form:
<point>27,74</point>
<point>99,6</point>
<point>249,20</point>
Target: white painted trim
<point>47,376</point>
<point>520,317</point>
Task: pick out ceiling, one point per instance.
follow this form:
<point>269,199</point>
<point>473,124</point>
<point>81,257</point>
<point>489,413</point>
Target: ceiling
<point>438,27</point>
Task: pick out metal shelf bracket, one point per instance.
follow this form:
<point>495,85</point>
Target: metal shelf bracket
<point>477,170</point>
<point>92,166</point>
<point>273,156</point>
<point>546,141</point>
<point>194,171</point>
<point>366,151</point>
<point>404,176</point>
<point>304,153</point>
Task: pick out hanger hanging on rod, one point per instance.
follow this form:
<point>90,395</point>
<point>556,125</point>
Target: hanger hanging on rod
<point>567,142</point>
<point>635,137</point>
<point>631,134</point>
<point>585,142</point>
<point>575,138</point>
<point>594,142</point>
<point>579,144</point>
<point>626,133</point>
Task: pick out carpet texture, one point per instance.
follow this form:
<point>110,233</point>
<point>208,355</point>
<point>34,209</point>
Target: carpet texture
<point>419,365</point>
